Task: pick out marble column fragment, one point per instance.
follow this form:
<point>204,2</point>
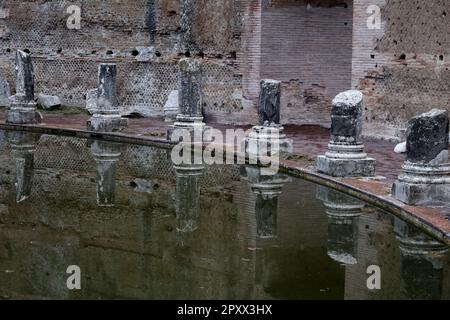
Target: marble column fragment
<point>343,215</point>
<point>23,107</point>
<point>190,96</point>
<point>346,156</point>
<point>107,116</point>
<point>106,155</point>
<point>425,177</point>
<point>268,138</point>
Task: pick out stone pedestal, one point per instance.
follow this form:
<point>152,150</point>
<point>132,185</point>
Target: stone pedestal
<point>106,155</point>
<point>268,190</point>
<point>23,149</point>
<point>22,105</point>
<point>343,216</point>
<point>268,138</point>
<point>346,156</point>
<point>190,95</point>
<point>187,198</point>
<point>107,116</point>
<point>425,177</point>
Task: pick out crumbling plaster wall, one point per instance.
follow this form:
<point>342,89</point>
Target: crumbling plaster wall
<point>402,68</point>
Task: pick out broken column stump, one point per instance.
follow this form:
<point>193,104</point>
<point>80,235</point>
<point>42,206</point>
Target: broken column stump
<point>190,96</point>
<point>425,177</point>
<point>22,105</point>
<point>267,138</point>
<point>107,116</point>
<point>346,156</point>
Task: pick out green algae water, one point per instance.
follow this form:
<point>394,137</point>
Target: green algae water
<point>137,227</point>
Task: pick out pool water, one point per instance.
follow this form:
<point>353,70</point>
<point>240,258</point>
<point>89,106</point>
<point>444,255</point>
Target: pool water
<point>137,227</point>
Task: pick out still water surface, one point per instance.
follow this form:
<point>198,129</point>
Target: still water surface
<point>139,228</point>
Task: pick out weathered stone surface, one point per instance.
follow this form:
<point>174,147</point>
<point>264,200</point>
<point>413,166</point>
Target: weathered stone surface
<point>346,156</point>
<point>190,94</point>
<point>346,117</point>
<point>5,93</point>
<point>48,102</point>
<point>106,116</point>
<point>269,103</point>
<point>171,108</point>
<point>107,102</point>
<point>186,23</point>
<point>22,105</point>
<point>24,77</point>
<point>91,101</point>
<point>425,178</point>
<point>428,137</point>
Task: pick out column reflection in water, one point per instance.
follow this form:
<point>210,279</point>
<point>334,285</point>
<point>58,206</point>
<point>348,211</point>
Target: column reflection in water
<point>423,260</point>
<point>343,214</point>
<point>187,197</point>
<point>23,146</point>
<point>106,155</point>
<point>268,190</point>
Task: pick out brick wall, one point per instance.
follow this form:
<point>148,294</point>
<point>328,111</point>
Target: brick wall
<point>401,68</point>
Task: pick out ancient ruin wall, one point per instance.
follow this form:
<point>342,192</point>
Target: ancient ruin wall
<point>402,68</point>
<point>308,46</point>
<point>142,36</point>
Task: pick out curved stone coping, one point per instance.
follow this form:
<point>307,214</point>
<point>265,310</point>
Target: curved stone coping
<point>371,191</point>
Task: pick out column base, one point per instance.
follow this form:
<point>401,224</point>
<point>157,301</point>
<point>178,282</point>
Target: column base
<point>198,132</point>
<point>25,114</point>
<point>421,194</point>
<point>267,141</point>
<point>106,123</point>
<point>346,167</point>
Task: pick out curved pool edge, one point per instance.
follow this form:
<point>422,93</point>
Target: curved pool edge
<point>373,192</point>
<point>428,219</point>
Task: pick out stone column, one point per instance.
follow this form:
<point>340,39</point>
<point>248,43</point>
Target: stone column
<point>190,97</point>
<point>106,155</point>
<point>423,260</point>
<point>23,107</point>
<point>268,190</point>
<point>23,147</point>
<point>187,198</point>
<point>425,177</point>
<point>345,156</point>
<point>106,116</point>
<point>268,138</point>
<point>343,215</point>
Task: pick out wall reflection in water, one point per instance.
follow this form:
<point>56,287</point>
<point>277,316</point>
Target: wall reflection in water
<point>140,227</point>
